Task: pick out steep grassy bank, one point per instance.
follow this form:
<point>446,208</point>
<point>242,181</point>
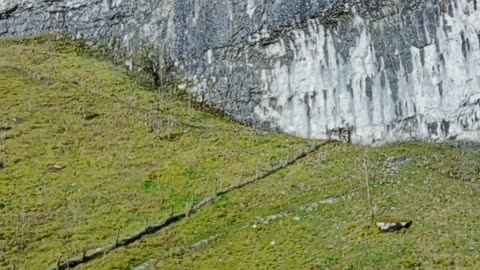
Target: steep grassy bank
<point>127,156</point>
<point>86,153</point>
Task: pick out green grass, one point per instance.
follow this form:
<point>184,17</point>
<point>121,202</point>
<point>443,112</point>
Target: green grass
<point>83,114</point>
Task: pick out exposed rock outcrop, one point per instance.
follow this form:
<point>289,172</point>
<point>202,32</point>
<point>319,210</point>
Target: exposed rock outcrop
<point>382,70</point>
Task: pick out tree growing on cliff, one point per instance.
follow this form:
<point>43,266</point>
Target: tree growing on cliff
<point>156,66</point>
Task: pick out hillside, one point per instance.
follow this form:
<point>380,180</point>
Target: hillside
<point>90,156</point>
<point>385,71</point>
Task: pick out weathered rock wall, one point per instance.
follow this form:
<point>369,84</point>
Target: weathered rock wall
<point>379,71</point>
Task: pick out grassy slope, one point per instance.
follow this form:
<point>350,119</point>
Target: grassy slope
<point>118,175</point>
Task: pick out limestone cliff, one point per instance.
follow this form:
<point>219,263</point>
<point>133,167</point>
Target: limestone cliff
<point>381,71</point>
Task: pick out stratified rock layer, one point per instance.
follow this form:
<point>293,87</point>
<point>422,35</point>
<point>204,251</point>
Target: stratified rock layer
<point>369,71</point>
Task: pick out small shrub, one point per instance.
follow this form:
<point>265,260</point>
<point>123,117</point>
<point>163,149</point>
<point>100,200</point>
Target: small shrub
<point>444,262</point>
<point>189,174</point>
<point>221,201</point>
<point>148,185</point>
<point>330,261</point>
<point>410,263</point>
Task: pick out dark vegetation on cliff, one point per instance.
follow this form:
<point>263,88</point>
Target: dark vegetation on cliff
<point>89,156</point>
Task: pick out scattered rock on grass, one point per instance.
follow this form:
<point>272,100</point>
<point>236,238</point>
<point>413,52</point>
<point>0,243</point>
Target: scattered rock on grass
<point>56,167</point>
<point>5,128</point>
<point>394,226</point>
<point>329,201</point>
<point>144,265</point>
<point>90,116</point>
<point>393,164</point>
<point>204,242</point>
<point>17,120</point>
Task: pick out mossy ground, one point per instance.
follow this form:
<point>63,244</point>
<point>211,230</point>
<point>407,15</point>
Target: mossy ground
<point>118,175</point>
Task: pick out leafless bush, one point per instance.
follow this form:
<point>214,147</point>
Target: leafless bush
<point>158,123</point>
<point>367,168</point>
<point>156,65</point>
<point>22,229</point>
<point>3,151</point>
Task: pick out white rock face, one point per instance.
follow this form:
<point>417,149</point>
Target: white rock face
<point>5,5</point>
<point>370,72</point>
<point>320,91</point>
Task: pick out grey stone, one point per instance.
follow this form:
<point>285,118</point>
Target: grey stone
<point>386,70</point>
